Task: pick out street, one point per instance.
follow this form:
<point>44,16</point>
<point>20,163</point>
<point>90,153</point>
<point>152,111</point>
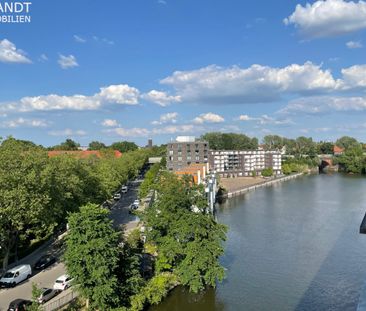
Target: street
<point>46,278</point>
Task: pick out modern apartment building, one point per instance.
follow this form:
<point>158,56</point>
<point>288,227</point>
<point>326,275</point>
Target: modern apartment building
<point>233,163</point>
<point>186,150</point>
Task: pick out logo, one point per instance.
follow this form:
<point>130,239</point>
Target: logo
<point>15,12</point>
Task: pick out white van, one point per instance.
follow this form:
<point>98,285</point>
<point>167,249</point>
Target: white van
<point>16,275</point>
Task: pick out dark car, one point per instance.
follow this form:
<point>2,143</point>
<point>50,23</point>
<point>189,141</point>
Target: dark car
<point>19,305</point>
<point>44,262</point>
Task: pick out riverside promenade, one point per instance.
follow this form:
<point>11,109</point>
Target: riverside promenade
<point>240,185</point>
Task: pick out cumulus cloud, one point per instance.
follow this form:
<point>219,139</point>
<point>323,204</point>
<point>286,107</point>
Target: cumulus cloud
<point>170,117</point>
<point>354,77</point>
<point>21,122</point>
<point>10,54</point>
<point>208,118</point>
<point>324,104</point>
<point>68,133</point>
<point>354,44</point>
<point>110,123</point>
<point>214,84</point>
<point>325,18</point>
<point>245,117</point>
<point>161,98</point>
<point>115,94</point>
<point>120,94</point>
<point>67,62</point>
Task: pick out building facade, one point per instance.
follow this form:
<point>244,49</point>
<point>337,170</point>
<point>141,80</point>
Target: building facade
<point>186,150</point>
<point>235,163</point>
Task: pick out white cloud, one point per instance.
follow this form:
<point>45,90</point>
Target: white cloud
<point>114,94</point>
<point>67,133</point>
<point>161,98</point>
<point>325,104</point>
<point>162,2</point>
<point>103,40</point>
<point>110,123</point>
<point>21,122</point>
<point>79,39</point>
<point>265,120</point>
<point>214,84</point>
<point>144,132</point>
<point>354,77</point>
<point>131,132</point>
<point>170,117</point>
<point>10,54</point>
<point>120,94</point>
<point>208,118</point>
<point>354,44</point>
<point>67,62</point>
<point>245,117</point>
<point>173,129</point>
<point>325,18</point>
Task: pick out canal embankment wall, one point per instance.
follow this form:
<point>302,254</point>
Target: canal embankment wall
<point>264,183</point>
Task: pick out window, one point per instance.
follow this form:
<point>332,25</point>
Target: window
<point>179,158</point>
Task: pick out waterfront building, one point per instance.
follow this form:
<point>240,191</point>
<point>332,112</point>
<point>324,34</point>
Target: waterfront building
<point>186,150</point>
<point>236,163</point>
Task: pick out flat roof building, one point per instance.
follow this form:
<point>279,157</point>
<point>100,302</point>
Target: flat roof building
<point>186,150</point>
<point>236,163</point>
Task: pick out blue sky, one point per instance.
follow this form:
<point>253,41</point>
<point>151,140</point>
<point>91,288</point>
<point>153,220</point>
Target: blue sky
<point>131,70</point>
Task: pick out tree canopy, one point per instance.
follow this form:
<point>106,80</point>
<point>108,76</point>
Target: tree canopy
<point>91,256</point>
<point>230,141</point>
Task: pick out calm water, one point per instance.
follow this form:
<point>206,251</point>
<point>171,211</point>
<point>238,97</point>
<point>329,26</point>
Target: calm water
<point>294,246</point>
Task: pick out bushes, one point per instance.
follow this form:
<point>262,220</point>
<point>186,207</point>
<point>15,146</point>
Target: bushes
<point>154,291</point>
<point>267,172</point>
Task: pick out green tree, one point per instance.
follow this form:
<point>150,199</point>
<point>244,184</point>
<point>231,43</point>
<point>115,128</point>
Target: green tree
<point>68,144</point>
<point>91,256</point>
<point>347,142</point>
<point>24,196</point>
<point>272,142</point>
<point>325,147</point>
<point>96,145</point>
<point>353,160</point>
<point>267,172</point>
<point>230,141</point>
<point>124,146</point>
<point>188,238</point>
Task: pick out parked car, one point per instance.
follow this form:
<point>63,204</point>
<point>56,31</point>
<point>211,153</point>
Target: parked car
<point>134,206</point>
<point>62,283</point>
<point>47,294</point>
<point>16,275</point>
<point>19,305</point>
<point>44,262</point>
<point>124,189</point>
<point>117,196</point>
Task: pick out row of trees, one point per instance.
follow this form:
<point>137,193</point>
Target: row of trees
<point>70,145</point>
<point>37,192</point>
<point>185,245</point>
<point>297,147</point>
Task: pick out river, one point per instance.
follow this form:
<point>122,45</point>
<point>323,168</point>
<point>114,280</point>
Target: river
<point>292,246</point>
